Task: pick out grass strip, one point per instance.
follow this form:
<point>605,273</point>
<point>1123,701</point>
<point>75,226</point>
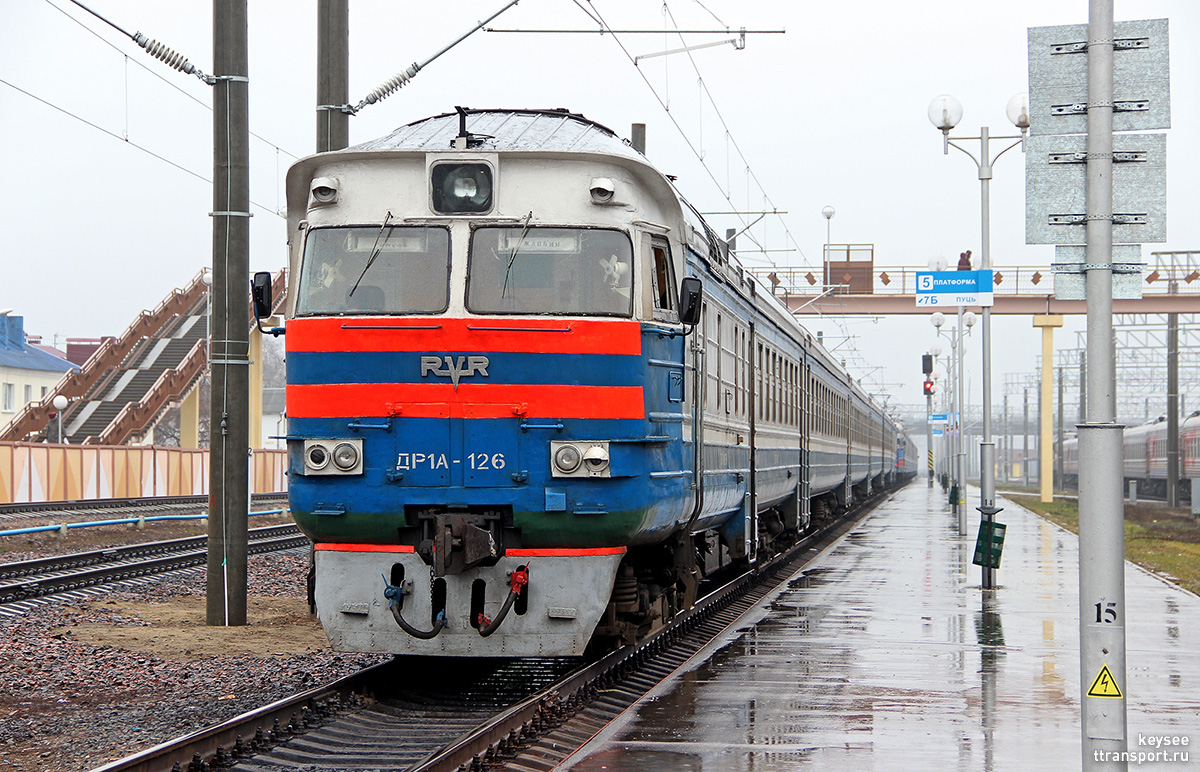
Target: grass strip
<point>1161,540</point>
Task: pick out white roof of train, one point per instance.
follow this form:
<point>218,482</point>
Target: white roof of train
<point>542,130</point>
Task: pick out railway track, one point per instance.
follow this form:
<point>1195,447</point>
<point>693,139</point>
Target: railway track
<point>24,584</point>
<point>16,513</point>
<point>436,715</point>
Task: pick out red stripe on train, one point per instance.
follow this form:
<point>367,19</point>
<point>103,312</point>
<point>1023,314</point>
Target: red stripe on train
<point>327,547</point>
<point>516,335</point>
<point>562,552</point>
<point>441,400</point>
<point>549,552</point>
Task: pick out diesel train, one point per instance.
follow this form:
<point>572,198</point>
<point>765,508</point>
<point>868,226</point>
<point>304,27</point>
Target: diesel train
<point>1145,451</point>
<point>533,400</point>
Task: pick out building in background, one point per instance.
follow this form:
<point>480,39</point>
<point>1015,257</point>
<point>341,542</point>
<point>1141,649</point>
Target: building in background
<point>28,372</point>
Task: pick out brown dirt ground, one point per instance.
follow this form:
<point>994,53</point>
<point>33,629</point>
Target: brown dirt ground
<point>175,629</point>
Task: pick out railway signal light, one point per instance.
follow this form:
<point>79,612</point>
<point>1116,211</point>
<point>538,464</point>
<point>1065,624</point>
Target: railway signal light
<point>927,364</point>
<point>929,387</point>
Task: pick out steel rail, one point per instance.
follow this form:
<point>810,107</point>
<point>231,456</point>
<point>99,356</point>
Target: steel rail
<point>40,577</point>
<point>134,502</point>
<point>269,724</point>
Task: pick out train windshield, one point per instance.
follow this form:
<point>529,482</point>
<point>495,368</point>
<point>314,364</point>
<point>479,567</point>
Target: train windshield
<point>375,270</point>
<point>525,270</point>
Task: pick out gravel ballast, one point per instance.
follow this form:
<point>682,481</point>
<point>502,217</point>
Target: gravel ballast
<point>82,684</point>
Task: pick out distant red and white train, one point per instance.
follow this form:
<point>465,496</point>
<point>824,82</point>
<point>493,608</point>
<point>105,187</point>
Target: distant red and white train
<point>1146,457</point>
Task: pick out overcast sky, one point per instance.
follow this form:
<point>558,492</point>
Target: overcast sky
<point>833,112</point>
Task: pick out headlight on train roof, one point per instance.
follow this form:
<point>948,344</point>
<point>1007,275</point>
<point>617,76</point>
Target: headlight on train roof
<point>461,188</point>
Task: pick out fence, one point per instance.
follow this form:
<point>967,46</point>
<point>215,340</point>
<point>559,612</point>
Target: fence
<point>34,472</point>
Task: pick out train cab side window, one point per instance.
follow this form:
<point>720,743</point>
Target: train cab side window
<point>662,277</point>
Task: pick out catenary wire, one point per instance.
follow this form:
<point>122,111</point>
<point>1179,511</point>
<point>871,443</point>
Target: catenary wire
<point>119,138</point>
<point>165,81</point>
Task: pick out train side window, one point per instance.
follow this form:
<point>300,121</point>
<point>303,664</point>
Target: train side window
<point>720,357</point>
<point>662,277</point>
<point>759,395</point>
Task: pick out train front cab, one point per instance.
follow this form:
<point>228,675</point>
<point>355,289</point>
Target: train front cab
<point>484,418</point>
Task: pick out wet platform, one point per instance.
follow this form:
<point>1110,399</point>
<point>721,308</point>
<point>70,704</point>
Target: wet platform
<point>881,655</point>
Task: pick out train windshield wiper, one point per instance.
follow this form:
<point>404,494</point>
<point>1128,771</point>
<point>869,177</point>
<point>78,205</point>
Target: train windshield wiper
<point>513,255</point>
<point>375,249</point>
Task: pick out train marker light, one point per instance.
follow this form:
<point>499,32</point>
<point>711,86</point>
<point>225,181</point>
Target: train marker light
<point>602,190</point>
<point>595,459</point>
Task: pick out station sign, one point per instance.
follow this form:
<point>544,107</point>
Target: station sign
<point>954,288</point>
<point>937,432</point>
<point>939,418</point>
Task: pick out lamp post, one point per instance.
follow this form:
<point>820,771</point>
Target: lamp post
<point>60,404</point>
<point>944,113</point>
<point>828,212</point>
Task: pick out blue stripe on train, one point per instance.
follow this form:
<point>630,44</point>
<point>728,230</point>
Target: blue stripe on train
<point>502,368</point>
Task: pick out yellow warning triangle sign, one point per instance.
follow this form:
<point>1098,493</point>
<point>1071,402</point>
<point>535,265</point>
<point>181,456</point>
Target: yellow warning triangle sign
<point>1105,685</point>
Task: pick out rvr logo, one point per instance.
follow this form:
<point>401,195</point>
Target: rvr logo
<point>455,368</point>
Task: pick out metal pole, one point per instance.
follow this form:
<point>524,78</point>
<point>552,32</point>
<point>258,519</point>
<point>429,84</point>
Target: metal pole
<point>929,434</point>
<point>333,74</point>
<point>962,445</point>
<point>229,424</point>
<point>987,448</point>
<point>1173,410</point>
<point>1101,510</point>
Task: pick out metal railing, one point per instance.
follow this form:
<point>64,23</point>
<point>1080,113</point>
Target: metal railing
<point>1166,273</point>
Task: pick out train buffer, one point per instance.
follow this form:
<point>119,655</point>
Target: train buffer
<point>882,654</point>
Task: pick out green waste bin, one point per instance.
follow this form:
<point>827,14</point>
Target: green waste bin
<point>989,544</point>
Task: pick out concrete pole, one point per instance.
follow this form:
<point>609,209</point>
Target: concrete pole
<point>1101,510</point>
<point>1082,385</point>
<point>333,74</point>
<point>1173,410</point>
<point>1045,457</point>
<point>229,443</point>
